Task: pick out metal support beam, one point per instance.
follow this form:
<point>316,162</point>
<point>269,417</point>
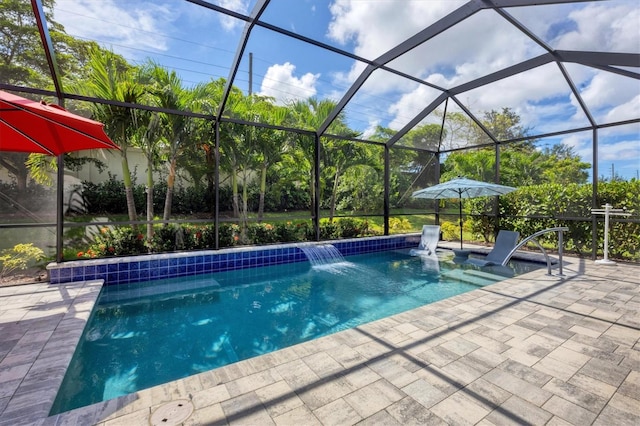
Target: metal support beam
<point>316,185</point>
<point>475,119</point>
<point>437,203</point>
<point>594,194</point>
<point>387,180</point>
<point>216,181</point>
<point>577,95</point>
<point>258,10</point>
<point>619,71</point>
<point>47,44</point>
<point>518,3</point>
<point>45,37</point>
<point>503,73</point>
<point>444,119</point>
<point>417,119</point>
<point>599,58</point>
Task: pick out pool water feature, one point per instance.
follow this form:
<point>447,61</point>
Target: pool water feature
<point>144,334</point>
<point>322,254</point>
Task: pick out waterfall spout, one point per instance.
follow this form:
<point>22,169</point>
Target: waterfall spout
<point>323,254</point>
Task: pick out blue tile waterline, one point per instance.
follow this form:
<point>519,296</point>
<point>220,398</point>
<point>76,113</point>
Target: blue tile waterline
<point>131,269</point>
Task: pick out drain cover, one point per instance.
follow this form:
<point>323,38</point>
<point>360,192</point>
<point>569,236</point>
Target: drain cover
<point>172,413</point>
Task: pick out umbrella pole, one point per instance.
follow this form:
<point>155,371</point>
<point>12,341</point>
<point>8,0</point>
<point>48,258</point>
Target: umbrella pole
<point>460,207</point>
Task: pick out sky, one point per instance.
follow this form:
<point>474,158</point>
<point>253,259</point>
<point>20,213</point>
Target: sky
<point>200,45</point>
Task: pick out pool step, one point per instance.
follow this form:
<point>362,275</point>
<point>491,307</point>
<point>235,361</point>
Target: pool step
<point>473,276</point>
<point>168,287</point>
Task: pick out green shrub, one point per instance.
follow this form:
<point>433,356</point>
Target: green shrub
<point>262,233</point>
<point>228,235</point>
<point>164,239</point>
<point>105,197</point>
<point>19,257</point>
<point>119,241</point>
<point>289,231</point>
<point>399,224</point>
<point>450,231</point>
<point>343,227</point>
<point>352,227</point>
<point>204,237</point>
<point>531,209</point>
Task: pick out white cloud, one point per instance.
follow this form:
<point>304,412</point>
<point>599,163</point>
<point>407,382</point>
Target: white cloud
<point>141,25</point>
<point>410,105</point>
<point>603,27</point>
<point>371,129</point>
<point>375,27</point>
<point>626,149</point>
<point>108,22</point>
<point>611,97</point>
<point>229,23</point>
<point>582,145</point>
<point>627,110</point>
<point>619,146</point>
<point>541,97</point>
<point>280,83</point>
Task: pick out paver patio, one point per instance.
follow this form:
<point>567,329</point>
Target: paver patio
<point>534,349</point>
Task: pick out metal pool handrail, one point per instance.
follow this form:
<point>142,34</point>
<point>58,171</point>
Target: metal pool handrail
<point>533,237</point>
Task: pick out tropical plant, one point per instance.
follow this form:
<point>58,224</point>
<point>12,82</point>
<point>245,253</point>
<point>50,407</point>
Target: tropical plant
<point>177,130</point>
<point>111,78</point>
<point>310,115</point>
<point>19,257</point>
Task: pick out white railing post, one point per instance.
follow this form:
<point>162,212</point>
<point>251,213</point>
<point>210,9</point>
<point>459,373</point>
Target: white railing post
<point>607,211</point>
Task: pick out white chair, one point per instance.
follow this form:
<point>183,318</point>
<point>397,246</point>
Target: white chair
<point>505,242</point>
<point>428,241</point>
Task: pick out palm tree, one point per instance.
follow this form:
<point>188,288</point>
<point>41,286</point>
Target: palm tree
<point>168,93</point>
<point>340,156</point>
<point>268,144</point>
<point>310,114</point>
<point>235,140</point>
<point>111,78</point>
<point>148,139</point>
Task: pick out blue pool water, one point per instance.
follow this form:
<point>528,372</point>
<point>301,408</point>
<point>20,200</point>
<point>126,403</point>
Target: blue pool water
<point>144,334</point>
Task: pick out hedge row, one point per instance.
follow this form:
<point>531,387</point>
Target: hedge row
<point>534,208</point>
<point>126,240</point>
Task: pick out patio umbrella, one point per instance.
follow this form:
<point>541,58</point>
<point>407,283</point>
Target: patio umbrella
<point>462,188</point>
<point>38,127</point>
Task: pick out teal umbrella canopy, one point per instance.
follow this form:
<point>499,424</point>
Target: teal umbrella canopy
<point>462,188</point>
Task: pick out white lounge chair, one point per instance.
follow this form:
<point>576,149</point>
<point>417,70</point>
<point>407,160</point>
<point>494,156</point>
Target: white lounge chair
<point>428,241</point>
<point>505,242</point>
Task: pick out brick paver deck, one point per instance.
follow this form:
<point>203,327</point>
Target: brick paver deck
<point>534,349</point>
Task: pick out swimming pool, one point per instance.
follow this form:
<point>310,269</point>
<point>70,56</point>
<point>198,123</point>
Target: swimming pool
<point>144,334</point>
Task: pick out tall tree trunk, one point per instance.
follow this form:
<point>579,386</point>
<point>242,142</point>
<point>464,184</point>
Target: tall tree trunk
<point>171,181</point>
<point>149,199</point>
<point>234,189</point>
<point>245,197</point>
<point>263,189</point>
<point>128,188</point>
<point>333,194</point>
<point>210,178</point>
<point>312,191</point>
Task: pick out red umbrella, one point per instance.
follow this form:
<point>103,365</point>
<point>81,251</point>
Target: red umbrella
<point>38,127</point>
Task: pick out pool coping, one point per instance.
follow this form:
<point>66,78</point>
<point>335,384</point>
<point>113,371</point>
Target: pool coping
<point>57,313</point>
